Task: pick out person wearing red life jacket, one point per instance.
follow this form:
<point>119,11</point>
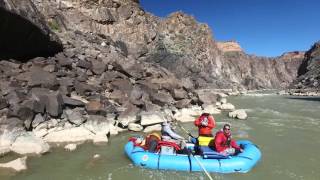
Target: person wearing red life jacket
<point>205,123</point>
<point>224,143</point>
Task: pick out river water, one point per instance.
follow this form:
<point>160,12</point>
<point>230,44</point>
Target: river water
<point>286,129</point>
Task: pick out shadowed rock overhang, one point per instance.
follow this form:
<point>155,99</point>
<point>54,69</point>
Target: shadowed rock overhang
<point>20,39</point>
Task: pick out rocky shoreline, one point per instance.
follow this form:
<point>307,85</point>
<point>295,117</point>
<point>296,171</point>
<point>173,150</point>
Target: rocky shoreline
<point>97,129</point>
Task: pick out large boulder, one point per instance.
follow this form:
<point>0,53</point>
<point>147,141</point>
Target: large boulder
<point>44,79</point>
<point>10,129</point>
<point>98,124</point>
<point>28,143</point>
<point>161,98</point>
<point>17,165</point>
<point>128,115</point>
<point>50,101</point>
<point>135,127</point>
<point>239,114</point>
<point>149,118</point>
<point>188,114</point>
<point>74,134</point>
<point>75,116</point>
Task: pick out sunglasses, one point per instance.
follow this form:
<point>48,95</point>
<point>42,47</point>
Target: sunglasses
<point>227,129</point>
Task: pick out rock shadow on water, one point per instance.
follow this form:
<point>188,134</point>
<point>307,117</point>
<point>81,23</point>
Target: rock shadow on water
<point>305,98</point>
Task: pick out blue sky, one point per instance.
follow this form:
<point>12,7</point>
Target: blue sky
<point>261,27</point>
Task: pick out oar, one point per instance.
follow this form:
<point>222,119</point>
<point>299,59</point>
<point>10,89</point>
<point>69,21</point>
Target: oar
<point>186,131</point>
<point>203,168</point>
<point>190,153</point>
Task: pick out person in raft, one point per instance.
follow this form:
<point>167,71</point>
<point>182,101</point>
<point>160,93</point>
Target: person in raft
<point>205,123</point>
<point>168,134</point>
<point>224,143</point>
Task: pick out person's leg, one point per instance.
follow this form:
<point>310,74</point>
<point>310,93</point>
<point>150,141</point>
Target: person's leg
<point>153,146</point>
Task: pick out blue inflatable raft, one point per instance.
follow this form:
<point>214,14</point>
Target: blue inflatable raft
<point>242,162</point>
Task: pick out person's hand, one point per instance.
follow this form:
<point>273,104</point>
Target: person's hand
<point>241,150</point>
<point>204,123</point>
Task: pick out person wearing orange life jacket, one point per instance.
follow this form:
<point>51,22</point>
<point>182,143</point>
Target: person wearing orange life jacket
<point>224,143</point>
<point>205,123</point>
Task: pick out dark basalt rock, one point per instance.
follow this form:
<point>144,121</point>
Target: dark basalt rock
<point>309,71</point>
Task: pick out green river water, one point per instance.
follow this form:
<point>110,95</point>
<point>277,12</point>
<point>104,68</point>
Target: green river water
<point>286,129</point>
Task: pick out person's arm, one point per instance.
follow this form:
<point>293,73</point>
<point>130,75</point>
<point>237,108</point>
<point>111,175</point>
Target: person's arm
<point>211,123</point>
<point>234,144</point>
<point>218,141</point>
<point>197,122</point>
<point>171,133</point>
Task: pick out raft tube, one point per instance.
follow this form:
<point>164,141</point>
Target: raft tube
<point>241,163</point>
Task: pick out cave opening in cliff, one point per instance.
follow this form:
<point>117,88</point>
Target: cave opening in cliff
<point>22,40</point>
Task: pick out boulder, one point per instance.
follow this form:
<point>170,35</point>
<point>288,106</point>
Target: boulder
<point>3,103</point>
<point>70,147</point>
<point>98,124</point>
<point>98,67</point>
<point>211,109</point>
<point>128,115</point>
<point>239,113</point>
<point>54,104</point>
<point>148,118</point>
<point>187,83</point>
<point>46,100</point>
<point>17,165</point>
<point>28,143</point>
<point>100,139</point>
<point>207,97</point>
<point>44,79</point>
<point>183,103</point>
<point>150,107</point>
<point>84,64</point>
<point>156,127</point>
<point>188,114</point>
<point>125,11</point>
<point>161,98</point>
<point>118,96</point>
<point>74,134</point>
<point>83,89</point>
<point>75,116</point>
<point>69,101</point>
<point>123,85</point>
<point>95,107</point>
<point>10,129</point>
<point>63,61</point>
<point>136,96</point>
<point>227,106</point>
<point>179,94</point>
<point>135,127</point>
<point>223,100</point>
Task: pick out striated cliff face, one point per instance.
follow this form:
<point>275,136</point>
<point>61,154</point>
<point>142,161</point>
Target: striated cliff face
<point>178,43</point>
<point>309,71</point>
<point>229,46</point>
<point>292,55</point>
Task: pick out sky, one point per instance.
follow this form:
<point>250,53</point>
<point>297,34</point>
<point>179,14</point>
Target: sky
<point>261,27</point>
